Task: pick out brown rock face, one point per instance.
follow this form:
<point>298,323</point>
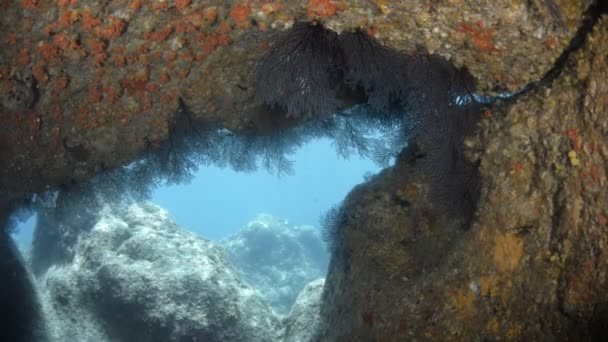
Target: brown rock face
<point>532,265</point>
<point>87,86</point>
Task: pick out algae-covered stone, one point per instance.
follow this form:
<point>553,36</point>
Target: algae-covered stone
<point>533,263</point>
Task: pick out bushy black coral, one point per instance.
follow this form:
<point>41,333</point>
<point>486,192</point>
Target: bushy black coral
<point>331,221</point>
<point>301,72</point>
<point>420,101</point>
<point>375,69</point>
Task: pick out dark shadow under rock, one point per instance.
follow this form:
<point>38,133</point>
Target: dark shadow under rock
<point>20,315</point>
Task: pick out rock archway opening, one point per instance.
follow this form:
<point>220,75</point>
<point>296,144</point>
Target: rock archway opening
<point>268,221</point>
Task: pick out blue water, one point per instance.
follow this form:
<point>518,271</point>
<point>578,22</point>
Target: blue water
<point>219,201</point>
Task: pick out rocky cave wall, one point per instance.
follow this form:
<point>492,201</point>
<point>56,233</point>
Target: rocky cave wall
<point>89,86</point>
<point>532,265</point>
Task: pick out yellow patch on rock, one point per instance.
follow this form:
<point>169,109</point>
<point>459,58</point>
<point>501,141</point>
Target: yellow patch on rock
<point>508,251</point>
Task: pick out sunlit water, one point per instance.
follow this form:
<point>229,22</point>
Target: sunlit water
<point>219,201</point>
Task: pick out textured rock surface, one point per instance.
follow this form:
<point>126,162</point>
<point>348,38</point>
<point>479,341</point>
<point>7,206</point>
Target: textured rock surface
<point>303,318</point>
<point>533,264</point>
<point>135,276</point>
<point>277,259</point>
<point>107,78</point>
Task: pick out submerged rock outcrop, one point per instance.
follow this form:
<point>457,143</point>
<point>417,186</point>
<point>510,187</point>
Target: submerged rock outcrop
<point>136,276</point>
<point>303,320</point>
<point>533,263</point>
<point>277,259</point>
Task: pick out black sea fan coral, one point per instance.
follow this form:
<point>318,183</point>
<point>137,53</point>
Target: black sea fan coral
<point>310,70</point>
<point>374,68</point>
<point>301,72</point>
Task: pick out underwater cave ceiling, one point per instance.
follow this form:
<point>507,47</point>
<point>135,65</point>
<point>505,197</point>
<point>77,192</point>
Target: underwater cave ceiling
<point>87,86</point>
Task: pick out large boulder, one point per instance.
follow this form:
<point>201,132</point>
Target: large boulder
<point>136,276</point>
<point>278,259</point>
<point>531,266</point>
<point>303,318</point>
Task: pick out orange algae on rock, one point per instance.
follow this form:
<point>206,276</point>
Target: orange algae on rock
<point>137,83</point>
<point>100,59</point>
<point>135,5</point>
<point>68,18</point>
<point>239,14</point>
<point>114,29</point>
<point>182,4</point>
<point>39,72</point>
<point>320,9</point>
<point>161,6</point>
<point>62,82</point>
<point>11,38</point>
<point>480,37</point>
<point>29,3</point>
<point>272,7</point>
<point>94,93</point>
<point>211,15</point>
<point>96,46</point>
<point>47,51</point>
<point>61,40</point>
<point>24,57</point>
<point>89,21</point>
<point>160,34</point>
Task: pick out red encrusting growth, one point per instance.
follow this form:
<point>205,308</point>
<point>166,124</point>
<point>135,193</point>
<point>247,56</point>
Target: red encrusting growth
<point>29,3</point>
<point>480,37</point>
<point>271,7</point>
<point>575,139</point>
<point>135,5</point>
<point>112,94</point>
<point>182,4</point>
<point>137,83</point>
<point>47,51</point>
<point>11,38</point>
<point>89,22</point>
<point>161,6</point>
<point>160,34</point>
<point>96,46</point>
<point>100,59</point>
<point>211,42</point>
<point>62,82</point>
<point>164,76</point>
<point>94,93</point>
<point>152,87</point>
<point>210,15</point>
<point>24,57</point>
<point>239,14</point>
<point>39,72</point>
<point>320,9</point>
<point>67,18</point>
<point>113,30</point>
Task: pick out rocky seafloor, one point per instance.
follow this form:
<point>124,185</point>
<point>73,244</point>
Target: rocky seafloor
<point>87,87</point>
<point>134,275</point>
